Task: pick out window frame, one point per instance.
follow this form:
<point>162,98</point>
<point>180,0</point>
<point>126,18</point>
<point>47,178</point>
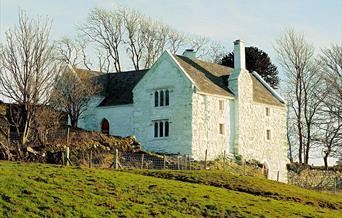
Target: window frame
<point>161,97</point>
<point>161,129</point>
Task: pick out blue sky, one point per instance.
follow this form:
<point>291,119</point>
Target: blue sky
<point>258,23</point>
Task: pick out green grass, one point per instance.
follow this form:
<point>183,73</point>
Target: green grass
<point>40,190</point>
<point>251,185</point>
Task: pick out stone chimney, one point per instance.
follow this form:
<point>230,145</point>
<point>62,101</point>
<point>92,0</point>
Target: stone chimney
<point>189,53</point>
<point>239,55</point>
<point>239,66</point>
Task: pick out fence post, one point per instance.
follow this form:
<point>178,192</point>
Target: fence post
<point>335,183</point>
<point>244,167</point>
<point>68,135</point>
<point>224,160</point>
<point>178,167</point>
<point>9,136</point>
<point>67,156</point>
<point>185,162</point>
<point>189,162</point>
<point>205,159</point>
<point>142,161</point>
<point>116,160</point>
<point>278,176</point>
<point>90,158</point>
<point>164,160</point>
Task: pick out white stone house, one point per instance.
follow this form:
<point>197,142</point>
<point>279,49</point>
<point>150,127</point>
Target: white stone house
<point>182,105</point>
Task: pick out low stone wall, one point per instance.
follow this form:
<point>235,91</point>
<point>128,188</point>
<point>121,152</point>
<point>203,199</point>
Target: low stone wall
<point>317,179</point>
<point>3,123</point>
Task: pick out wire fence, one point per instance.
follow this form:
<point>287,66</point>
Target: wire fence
<point>111,158</point>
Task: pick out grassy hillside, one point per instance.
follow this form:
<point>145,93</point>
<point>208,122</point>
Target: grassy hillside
<point>49,190</point>
<point>252,185</point>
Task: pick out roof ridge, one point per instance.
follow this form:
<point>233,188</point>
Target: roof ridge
<point>207,62</point>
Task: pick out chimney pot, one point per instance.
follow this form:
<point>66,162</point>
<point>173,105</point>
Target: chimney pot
<point>239,55</point>
<point>189,53</point>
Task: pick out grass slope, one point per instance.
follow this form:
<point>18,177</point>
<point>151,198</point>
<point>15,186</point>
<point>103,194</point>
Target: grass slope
<point>251,185</point>
<point>35,190</point>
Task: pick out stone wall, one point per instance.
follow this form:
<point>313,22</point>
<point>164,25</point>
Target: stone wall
<point>252,124</point>
<point>206,117</point>
<point>4,126</point>
<point>323,180</point>
<point>164,74</point>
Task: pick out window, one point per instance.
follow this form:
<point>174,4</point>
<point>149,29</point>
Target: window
<point>268,134</point>
<point>166,128</point>
<point>156,98</point>
<point>267,111</point>
<point>221,129</point>
<point>155,130</point>
<point>167,97</point>
<point>161,128</point>
<point>221,105</point>
<point>161,98</point>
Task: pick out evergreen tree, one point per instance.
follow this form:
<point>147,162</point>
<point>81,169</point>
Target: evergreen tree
<point>259,61</point>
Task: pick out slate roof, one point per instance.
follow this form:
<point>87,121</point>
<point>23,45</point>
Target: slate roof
<point>213,79</point>
<point>118,87</point>
<point>208,77</point>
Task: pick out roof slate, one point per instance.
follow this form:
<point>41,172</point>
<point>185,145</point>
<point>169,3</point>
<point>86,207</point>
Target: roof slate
<point>118,87</point>
<point>208,77</point>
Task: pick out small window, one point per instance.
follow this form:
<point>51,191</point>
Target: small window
<point>161,98</point>
<point>221,105</point>
<point>267,111</point>
<point>155,130</point>
<point>221,129</point>
<point>166,97</point>
<point>166,128</point>
<point>161,128</point>
<point>156,98</point>
<point>268,134</point>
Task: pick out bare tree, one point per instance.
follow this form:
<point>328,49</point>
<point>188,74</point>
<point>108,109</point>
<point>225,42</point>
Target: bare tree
<point>106,29</point>
<point>155,37</point>
<point>46,121</point>
<point>72,92</point>
<point>303,83</point>
<point>134,29</point>
<point>200,45</point>
<point>176,40</point>
<point>29,67</point>
<point>73,52</point>
<point>330,125</point>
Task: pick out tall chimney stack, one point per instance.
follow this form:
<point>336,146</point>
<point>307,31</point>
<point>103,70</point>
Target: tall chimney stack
<point>239,55</point>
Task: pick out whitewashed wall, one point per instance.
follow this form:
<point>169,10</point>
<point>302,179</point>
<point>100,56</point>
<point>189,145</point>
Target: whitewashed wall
<point>119,118</point>
<point>252,124</point>
<point>207,116</point>
<point>164,74</point>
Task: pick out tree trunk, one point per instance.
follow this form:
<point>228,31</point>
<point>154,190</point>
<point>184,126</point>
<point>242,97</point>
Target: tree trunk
<point>325,158</point>
<point>74,123</point>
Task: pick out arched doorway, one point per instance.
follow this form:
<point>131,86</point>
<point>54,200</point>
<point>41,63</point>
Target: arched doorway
<point>105,126</point>
<point>265,169</point>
